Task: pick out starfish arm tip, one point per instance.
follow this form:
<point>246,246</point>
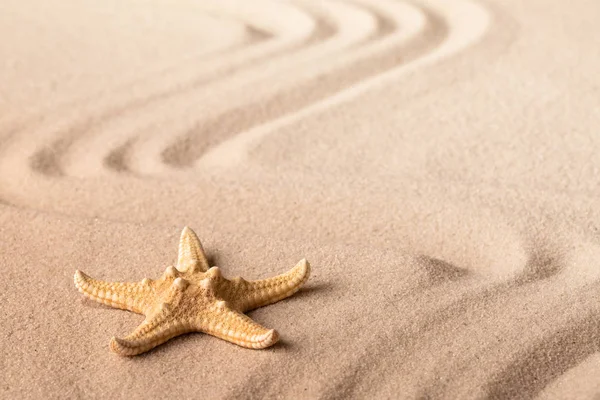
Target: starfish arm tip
<point>115,345</point>
<point>80,279</point>
<point>191,253</point>
<point>268,339</point>
<point>300,273</point>
<point>122,347</point>
<point>304,266</point>
<point>260,341</point>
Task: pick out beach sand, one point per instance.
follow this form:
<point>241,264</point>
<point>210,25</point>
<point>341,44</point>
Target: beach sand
<point>435,161</point>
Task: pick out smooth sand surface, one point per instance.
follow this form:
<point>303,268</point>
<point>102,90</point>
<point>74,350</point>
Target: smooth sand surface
<point>437,162</point>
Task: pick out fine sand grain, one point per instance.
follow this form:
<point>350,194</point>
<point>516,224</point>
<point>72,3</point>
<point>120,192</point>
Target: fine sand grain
<point>437,162</point>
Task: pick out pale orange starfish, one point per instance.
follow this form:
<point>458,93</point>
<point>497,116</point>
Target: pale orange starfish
<point>193,297</point>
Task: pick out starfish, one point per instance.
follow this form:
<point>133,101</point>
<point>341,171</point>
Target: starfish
<point>193,298</point>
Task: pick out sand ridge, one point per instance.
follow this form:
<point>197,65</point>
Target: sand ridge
<point>434,160</point>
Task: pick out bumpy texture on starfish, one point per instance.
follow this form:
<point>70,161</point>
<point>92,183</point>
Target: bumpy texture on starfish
<point>193,297</point>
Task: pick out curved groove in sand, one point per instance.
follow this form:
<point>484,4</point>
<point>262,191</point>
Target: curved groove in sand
<point>234,36</point>
<point>55,137</point>
<point>346,18</point>
<point>327,37</point>
<point>524,354</point>
<point>351,26</point>
<point>110,133</point>
<point>310,79</point>
<point>383,42</point>
<point>264,36</point>
<point>370,42</point>
<point>295,27</point>
<point>468,23</point>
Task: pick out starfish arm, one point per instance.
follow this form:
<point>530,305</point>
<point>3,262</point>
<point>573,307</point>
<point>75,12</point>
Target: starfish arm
<point>225,323</point>
<point>124,295</point>
<point>155,330</point>
<point>191,253</point>
<point>165,321</point>
<point>253,294</point>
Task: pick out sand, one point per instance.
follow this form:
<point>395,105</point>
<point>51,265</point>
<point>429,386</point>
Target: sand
<point>435,161</point>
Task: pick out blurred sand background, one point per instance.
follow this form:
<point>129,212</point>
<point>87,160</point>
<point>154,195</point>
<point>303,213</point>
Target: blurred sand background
<point>437,162</point>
